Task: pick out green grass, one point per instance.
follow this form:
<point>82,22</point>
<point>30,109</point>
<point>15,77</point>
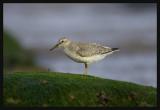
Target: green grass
<point>51,89</point>
<point>14,54</point>
<point>16,57</point>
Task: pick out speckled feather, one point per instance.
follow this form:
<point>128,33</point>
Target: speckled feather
<point>88,49</point>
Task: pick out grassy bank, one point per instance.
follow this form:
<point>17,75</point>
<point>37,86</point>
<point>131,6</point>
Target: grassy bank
<point>61,89</point>
<point>16,57</point>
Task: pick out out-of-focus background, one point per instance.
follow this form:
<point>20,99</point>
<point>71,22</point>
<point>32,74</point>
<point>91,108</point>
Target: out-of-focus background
<point>30,30</point>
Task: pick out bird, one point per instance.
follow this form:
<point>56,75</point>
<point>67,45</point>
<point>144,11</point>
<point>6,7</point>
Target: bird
<point>82,52</point>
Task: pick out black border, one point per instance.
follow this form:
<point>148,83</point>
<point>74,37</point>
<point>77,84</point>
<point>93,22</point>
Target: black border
<point>1,42</point>
<point>82,1</point>
<point>79,1</point>
<point>158,50</point>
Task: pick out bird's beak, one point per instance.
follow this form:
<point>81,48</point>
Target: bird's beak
<point>55,46</point>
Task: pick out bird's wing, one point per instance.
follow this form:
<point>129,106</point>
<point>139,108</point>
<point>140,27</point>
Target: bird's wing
<point>86,50</point>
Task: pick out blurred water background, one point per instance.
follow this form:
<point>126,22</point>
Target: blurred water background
<point>128,26</point>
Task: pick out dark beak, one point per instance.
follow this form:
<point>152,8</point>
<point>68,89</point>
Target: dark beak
<point>55,46</point>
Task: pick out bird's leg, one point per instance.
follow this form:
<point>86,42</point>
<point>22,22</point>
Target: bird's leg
<point>86,69</point>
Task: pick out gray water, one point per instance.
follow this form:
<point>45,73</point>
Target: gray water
<point>130,27</point>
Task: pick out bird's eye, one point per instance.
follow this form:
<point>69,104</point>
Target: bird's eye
<point>62,41</point>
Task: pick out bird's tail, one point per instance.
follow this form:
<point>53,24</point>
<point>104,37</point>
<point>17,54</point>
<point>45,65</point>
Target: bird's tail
<point>115,49</point>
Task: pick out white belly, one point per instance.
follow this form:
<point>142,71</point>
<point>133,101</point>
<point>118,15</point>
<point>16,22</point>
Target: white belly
<point>88,60</point>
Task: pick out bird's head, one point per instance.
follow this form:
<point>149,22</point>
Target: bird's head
<point>62,42</point>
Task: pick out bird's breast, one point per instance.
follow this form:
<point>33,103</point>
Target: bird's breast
<point>74,56</point>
